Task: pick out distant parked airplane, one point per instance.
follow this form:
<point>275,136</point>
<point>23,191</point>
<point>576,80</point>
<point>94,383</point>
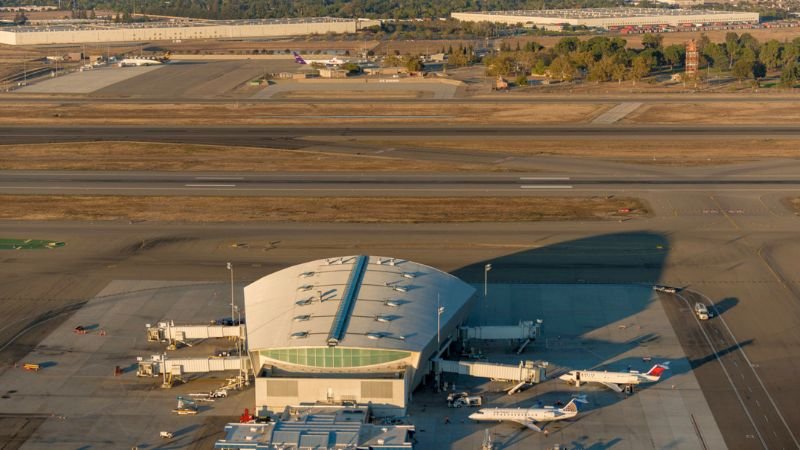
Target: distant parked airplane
<point>143,61</point>
<point>529,416</point>
<point>615,380</point>
<point>328,62</point>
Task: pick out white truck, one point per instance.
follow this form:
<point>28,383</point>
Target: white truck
<point>701,311</point>
<point>461,399</point>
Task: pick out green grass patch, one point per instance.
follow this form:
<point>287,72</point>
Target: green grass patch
<point>29,244</point>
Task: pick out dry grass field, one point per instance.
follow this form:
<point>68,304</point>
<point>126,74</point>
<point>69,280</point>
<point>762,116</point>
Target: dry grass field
<point>651,151</point>
<point>104,113</point>
<point>189,157</point>
<point>752,112</point>
<point>308,209</point>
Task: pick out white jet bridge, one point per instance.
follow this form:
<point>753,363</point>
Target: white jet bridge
<point>161,364</point>
<point>169,332</point>
<point>525,332</point>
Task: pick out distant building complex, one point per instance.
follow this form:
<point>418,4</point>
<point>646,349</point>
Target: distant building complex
<point>177,30</point>
<point>609,17</point>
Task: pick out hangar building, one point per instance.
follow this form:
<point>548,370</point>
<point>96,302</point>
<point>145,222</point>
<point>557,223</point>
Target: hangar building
<point>354,329</point>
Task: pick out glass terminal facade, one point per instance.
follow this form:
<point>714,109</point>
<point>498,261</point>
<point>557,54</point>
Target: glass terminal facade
<point>334,357</point>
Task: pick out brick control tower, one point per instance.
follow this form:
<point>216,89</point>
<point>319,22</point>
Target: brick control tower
<point>692,59</point>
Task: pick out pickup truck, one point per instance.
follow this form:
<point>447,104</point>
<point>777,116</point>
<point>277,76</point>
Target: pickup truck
<point>701,311</point>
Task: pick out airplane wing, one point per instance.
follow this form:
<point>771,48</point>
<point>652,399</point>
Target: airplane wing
<point>613,386</point>
<point>529,424</point>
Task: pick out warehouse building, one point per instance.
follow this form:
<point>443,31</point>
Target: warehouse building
<point>177,30</point>
<point>610,17</point>
<point>350,330</point>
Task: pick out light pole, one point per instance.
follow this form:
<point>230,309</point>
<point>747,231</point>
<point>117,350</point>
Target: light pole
<point>486,270</point>
<point>230,267</point>
<point>439,311</point>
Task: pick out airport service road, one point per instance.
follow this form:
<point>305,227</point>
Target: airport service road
<point>268,136</point>
<point>371,184</point>
<point>713,341</point>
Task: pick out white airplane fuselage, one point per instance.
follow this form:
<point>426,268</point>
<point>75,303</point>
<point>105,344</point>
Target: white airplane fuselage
<point>594,376</point>
<point>139,62</point>
<point>547,414</point>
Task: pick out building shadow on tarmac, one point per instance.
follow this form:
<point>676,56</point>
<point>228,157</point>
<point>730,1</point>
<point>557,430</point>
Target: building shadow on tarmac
<point>561,283</point>
<point>722,306</point>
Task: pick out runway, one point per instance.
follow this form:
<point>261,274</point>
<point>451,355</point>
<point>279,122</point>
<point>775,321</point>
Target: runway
<point>394,184</point>
<point>18,97</point>
<point>265,136</point>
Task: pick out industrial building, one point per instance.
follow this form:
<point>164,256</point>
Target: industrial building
<point>350,330</point>
<point>177,30</point>
<point>318,427</point>
<point>610,17</point>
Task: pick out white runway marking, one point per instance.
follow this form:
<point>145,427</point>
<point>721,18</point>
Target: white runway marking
<point>544,186</point>
<point>219,178</point>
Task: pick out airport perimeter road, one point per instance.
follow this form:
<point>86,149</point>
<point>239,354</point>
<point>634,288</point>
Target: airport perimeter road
<point>266,136</point>
<point>736,391</point>
<point>373,184</point>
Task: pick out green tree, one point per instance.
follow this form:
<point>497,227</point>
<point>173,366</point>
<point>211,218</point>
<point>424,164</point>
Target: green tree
<point>771,54</point>
<point>674,55</point>
<point>522,80</point>
<point>743,69</point>
<point>563,69</point>
<point>716,55</point>
<point>602,70</point>
<point>790,75</point>
<point>759,70</point>
<point>731,47</point>
<point>413,63</point>
<point>639,68</point>
<point>654,41</point>
<point>567,45</point>
<point>618,72</point>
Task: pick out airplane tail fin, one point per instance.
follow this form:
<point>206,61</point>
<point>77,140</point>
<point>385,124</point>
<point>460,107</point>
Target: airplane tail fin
<point>572,406</point>
<point>658,369</point>
<point>299,59</point>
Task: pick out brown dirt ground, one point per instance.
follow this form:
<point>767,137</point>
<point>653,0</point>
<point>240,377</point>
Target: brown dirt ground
<point>55,114</point>
<point>717,113</point>
<point>188,157</point>
<point>309,209</point>
<point>682,152</point>
<point>794,203</point>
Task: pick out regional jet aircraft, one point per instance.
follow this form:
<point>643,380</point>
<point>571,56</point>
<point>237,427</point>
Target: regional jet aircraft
<point>529,416</point>
<point>615,381</point>
<point>328,62</point>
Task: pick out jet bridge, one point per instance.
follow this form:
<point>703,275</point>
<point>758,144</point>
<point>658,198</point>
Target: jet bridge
<point>526,372</point>
<point>169,332</point>
<point>159,364</point>
<point>525,332</point>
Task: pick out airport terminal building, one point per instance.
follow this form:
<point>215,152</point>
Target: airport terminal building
<point>349,330</point>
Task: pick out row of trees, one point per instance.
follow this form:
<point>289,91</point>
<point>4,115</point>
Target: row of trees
<point>608,58</point>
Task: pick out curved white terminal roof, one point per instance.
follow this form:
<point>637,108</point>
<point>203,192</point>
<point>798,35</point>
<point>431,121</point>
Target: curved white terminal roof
<point>352,301</point>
